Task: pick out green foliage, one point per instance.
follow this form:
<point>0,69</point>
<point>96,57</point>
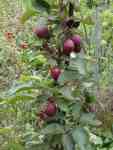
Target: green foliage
<point>81,137</point>
<point>33,7</point>
<point>73,126</point>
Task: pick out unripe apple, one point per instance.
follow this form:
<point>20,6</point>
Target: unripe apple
<point>51,109</point>
<point>55,73</point>
<point>68,47</point>
<point>42,31</point>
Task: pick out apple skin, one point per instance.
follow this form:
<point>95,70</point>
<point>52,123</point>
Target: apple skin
<point>77,43</point>
<point>55,73</point>
<point>68,46</point>
<point>77,49</point>
<point>76,39</point>
<point>51,109</point>
<point>46,46</point>
<point>41,32</point>
<point>9,35</point>
<point>43,115</point>
<point>23,45</point>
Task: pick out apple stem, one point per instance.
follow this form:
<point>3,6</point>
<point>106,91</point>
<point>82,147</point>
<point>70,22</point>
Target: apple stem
<point>66,62</point>
<point>59,56</point>
<point>71,9</point>
<point>55,83</point>
<point>61,11</point>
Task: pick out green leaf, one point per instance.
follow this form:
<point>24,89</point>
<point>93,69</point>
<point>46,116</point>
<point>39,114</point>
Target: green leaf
<point>96,139</point>
<point>88,20</point>
<point>78,64</point>
<point>42,21</point>
<point>29,11</point>
<point>38,60</point>
<point>89,96</point>
<point>53,129</point>
<point>14,146</point>
<point>5,130</point>
<point>68,142</point>
<point>89,119</point>
<point>27,78</point>
<point>67,75</point>
<point>67,92</point>
<point>17,98</point>
<point>88,84</point>
<point>26,15</point>
<point>21,88</point>
<point>41,5</point>
<point>76,110</point>
<point>81,137</point>
<point>27,4</point>
<point>64,105</point>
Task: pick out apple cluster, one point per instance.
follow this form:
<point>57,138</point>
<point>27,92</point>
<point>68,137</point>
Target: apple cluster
<point>50,109</point>
<point>72,44</point>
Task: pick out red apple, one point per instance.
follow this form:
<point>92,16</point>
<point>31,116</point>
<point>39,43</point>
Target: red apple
<point>43,115</point>
<point>51,109</point>
<point>46,46</point>
<point>42,31</point>
<point>68,47</point>
<point>8,35</point>
<point>77,42</point>
<point>77,49</point>
<point>76,39</point>
<point>55,73</point>
<point>24,45</point>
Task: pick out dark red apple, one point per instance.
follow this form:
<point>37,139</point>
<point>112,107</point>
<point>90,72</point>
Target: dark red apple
<point>46,46</point>
<point>55,73</point>
<point>76,39</point>
<point>68,47</point>
<point>77,42</point>
<point>42,31</point>
<point>51,109</point>
<point>77,49</point>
